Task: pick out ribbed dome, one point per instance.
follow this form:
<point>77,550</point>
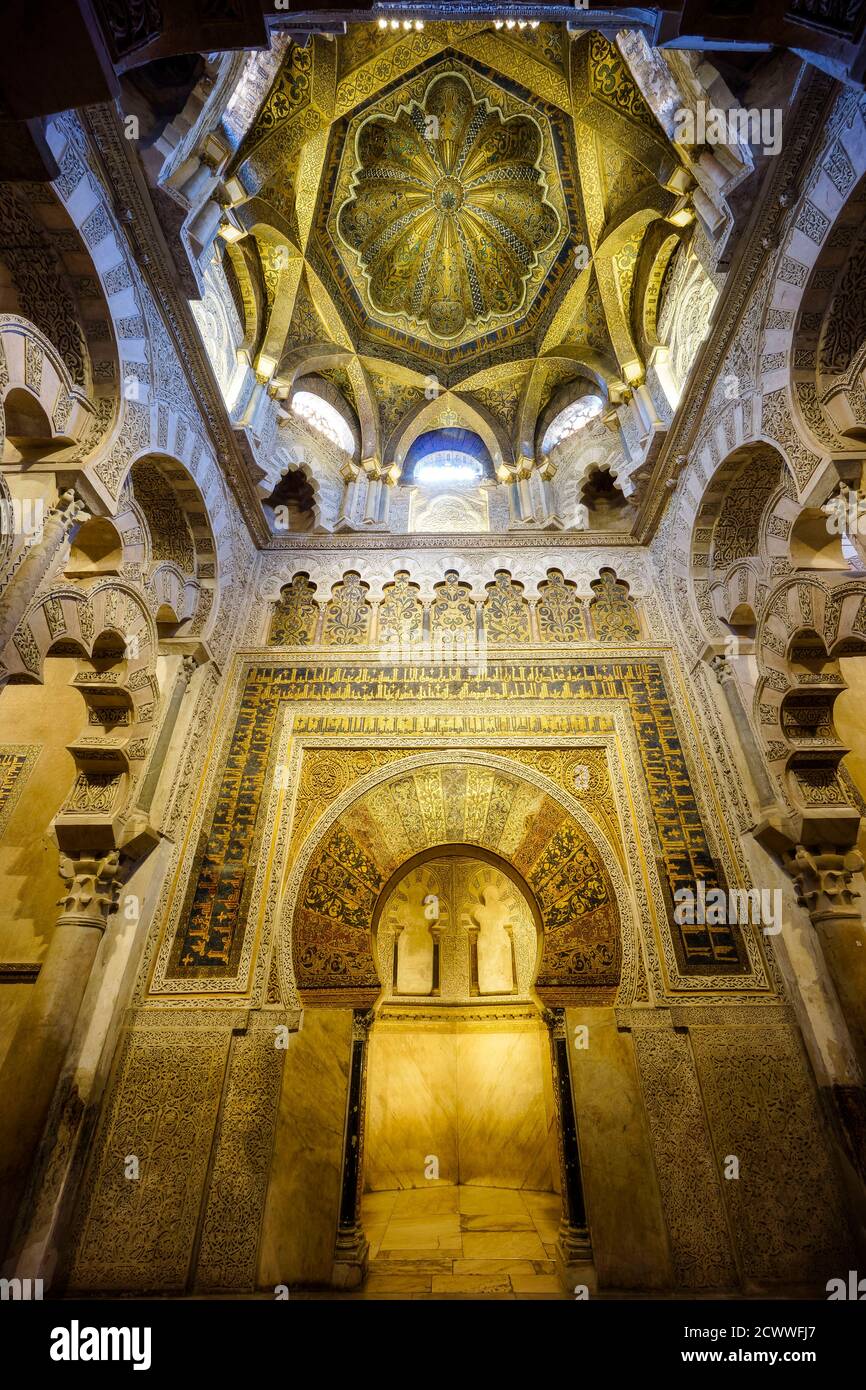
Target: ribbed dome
<point>449,212</point>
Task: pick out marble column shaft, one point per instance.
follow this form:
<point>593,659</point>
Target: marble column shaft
<point>34,1063</point>
<point>823,883</point>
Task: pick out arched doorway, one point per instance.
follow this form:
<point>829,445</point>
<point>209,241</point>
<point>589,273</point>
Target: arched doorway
<point>461,1174</point>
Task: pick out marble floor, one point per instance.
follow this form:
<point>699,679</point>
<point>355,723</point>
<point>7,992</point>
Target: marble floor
<point>461,1242</point>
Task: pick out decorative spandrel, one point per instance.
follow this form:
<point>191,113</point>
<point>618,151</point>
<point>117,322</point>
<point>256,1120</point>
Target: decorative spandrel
<point>347,614</point>
<point>452,615</point>
<point>559,613</point>
<point>401,611</point>
<point>295,615</point>
<point>506,612</point>
<point>614,614</point>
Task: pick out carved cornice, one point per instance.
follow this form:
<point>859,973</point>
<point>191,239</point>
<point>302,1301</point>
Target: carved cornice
<point>500,540</point>
<point>805,135</point>
<point>120,173</point>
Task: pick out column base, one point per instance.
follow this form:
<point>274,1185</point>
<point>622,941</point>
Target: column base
<point>573,1258</point>
<point>351,1258</point>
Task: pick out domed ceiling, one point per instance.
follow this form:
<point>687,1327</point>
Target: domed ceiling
<point>460,220</point>
<point>448,212</point>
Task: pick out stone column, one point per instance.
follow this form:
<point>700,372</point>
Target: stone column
<point>188,667</point>
<point>203,226</point>
<point>573,1246</point>
<point>724,673</point>
<point>33,1065</point>
<point>822,880</point>
<point>815,965</point>
<point>35,560</point>
<point>352,1249</point>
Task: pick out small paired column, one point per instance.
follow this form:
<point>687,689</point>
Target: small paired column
<point>352,1249</point>
<point>724,673</point>
<point>189,664</point>
<point>573,1246</point>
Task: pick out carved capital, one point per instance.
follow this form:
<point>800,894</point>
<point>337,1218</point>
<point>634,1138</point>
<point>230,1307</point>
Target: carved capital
<point>555,1021</point>
<point>188,668</point>
<point>69,511</point>
<point>722,668</point>
<point>362,1022</point>
<point>822,880</point>
<point>92,887</point>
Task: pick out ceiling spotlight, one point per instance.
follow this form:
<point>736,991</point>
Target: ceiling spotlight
<point>533,24</point>
<point>383,23</point>
<point>521,23</point>
<point>419,24</point>
<point>682,217</point>
<point>230,229</point>
<point>509,23</point>
<point>407,24</point>
<point>395,24</point>
<point>497,23</point>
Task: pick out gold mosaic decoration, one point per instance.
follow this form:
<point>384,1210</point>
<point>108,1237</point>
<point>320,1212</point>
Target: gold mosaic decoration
<point>432,187</point>
<point>614,615</point>
<point>466,804</point>
<point>559,612</point>
<point>453,612</point>
<point>401,611</point>
<point>449,216</point>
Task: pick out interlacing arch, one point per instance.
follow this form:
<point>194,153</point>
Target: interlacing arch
<point>43,412</point>
<point>807,623</point>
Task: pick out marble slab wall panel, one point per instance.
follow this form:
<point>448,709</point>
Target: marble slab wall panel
<point>303,1200</point>
<point>629,1240</point>
<point>503,1115</point>
<point>411,1106</point>
<point>476,1097</point>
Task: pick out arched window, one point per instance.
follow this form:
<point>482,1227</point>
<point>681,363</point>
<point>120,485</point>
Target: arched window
<point>573,418</point>
<point>325,418</point>
<point>448,466</point>
<point>448,458</point>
